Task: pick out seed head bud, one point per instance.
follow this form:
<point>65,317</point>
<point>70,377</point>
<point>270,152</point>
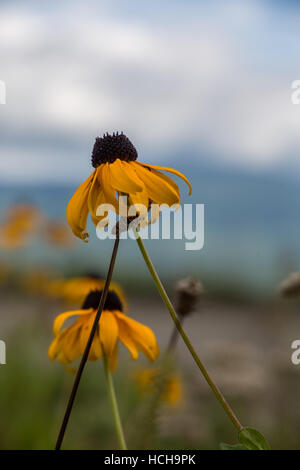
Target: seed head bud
<point>290,287</point>
<point>188,292</point>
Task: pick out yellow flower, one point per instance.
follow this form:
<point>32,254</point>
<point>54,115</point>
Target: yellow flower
<point>149,380</point>
<point>118,173</point>
<point>11,237</point>
<point>73,291</point>
<point>69,343</point>
<point>58,234</point>
<point>20,222</point>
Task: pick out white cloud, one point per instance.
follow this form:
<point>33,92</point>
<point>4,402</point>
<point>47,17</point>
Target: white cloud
<point>19,30</point>
<point>76,72</point>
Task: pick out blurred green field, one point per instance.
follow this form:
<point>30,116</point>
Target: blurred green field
<point>245,347</point>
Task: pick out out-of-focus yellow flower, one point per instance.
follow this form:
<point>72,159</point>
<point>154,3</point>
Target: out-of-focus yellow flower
<point>11,237</point>
<point>168,384</point>
<point>20,222</point>
<point>73,291</point>
<point>117,172</point>
<point>57,233</point>
<point>35,281</point>
<point>69,343</point>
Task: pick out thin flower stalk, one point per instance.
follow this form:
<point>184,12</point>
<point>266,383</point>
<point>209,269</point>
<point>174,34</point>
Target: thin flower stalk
<point>88,346</point>
<point>218,394</point>
<point>114,404</point>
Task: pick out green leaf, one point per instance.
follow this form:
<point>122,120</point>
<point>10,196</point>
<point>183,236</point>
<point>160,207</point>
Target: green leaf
<point>253,439</point>
<point>224,446</point>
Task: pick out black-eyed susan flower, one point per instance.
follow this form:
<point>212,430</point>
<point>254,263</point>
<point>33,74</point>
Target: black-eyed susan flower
<point>21,221</point>
<point>117,172</point>
<point>57,233</point>
<point>69,343</point>
<point>73,291</point>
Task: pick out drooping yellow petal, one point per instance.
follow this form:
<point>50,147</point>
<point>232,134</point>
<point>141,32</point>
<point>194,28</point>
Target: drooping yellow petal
<point>60,319</point>
<point>85,332</point>
<point>108,331</point>
<point>96,348</point>
<point>140,198</point>
<point>168,180</point>
<point>77,209</point>
<point>137,337</point>
<point>108,190</point>
<point>53,349</point>
<point>123,179</point>
<point>140,201</point>
<point>62,358</point>
<point>96,197</point>
<point>159,190</point>
<point>127,340</point>
<point>56,348</point>
<point>170,170</point>
<point>70,345</point>
<point>155,213</point>
<point>84,335</point>
<point>113,359</point>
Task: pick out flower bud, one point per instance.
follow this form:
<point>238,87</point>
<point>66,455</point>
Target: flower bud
<point>188,292</point>
<point>290,287</point>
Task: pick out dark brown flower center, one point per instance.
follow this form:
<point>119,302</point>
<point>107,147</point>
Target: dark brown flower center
<point>110,147</point>
<point>112,302</point>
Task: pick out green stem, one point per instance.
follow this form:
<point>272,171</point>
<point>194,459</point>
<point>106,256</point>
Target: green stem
<point>114,403</point>
<point>88,346</point>
<point>165,298</point>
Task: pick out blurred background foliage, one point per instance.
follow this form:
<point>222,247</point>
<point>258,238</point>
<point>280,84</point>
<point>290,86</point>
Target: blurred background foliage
<point>204,88</point>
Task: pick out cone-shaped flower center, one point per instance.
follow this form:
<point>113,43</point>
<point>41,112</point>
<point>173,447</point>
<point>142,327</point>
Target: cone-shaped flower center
<point>112,302</point>
<point>110,147</point>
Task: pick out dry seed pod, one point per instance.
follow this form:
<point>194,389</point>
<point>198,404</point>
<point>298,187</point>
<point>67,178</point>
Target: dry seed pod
<point>188,292</point>
<point>290,287</point>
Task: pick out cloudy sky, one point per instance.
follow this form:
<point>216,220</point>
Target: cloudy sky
<point>210,81</point>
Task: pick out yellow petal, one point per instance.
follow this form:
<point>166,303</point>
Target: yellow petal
<point>62,358</point>
<point>70,345</point>
<point>123,179</point>
<point>158,190</point>
<point>140,201</point>
<point>96,348</point>
<point>137,337</point>
<point>85,333</point>
<point>86,328</point>
<point>108,190</point>
<point>127,340</point>
<point>170,170</point>
<point>53,349</point>
<point>56,348</point>
<point>96,197</point>
<point>60,319</point>
<point>108,331</point>
<point>77,209</point>
<point>113,359</point>
<point>155,213</point>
